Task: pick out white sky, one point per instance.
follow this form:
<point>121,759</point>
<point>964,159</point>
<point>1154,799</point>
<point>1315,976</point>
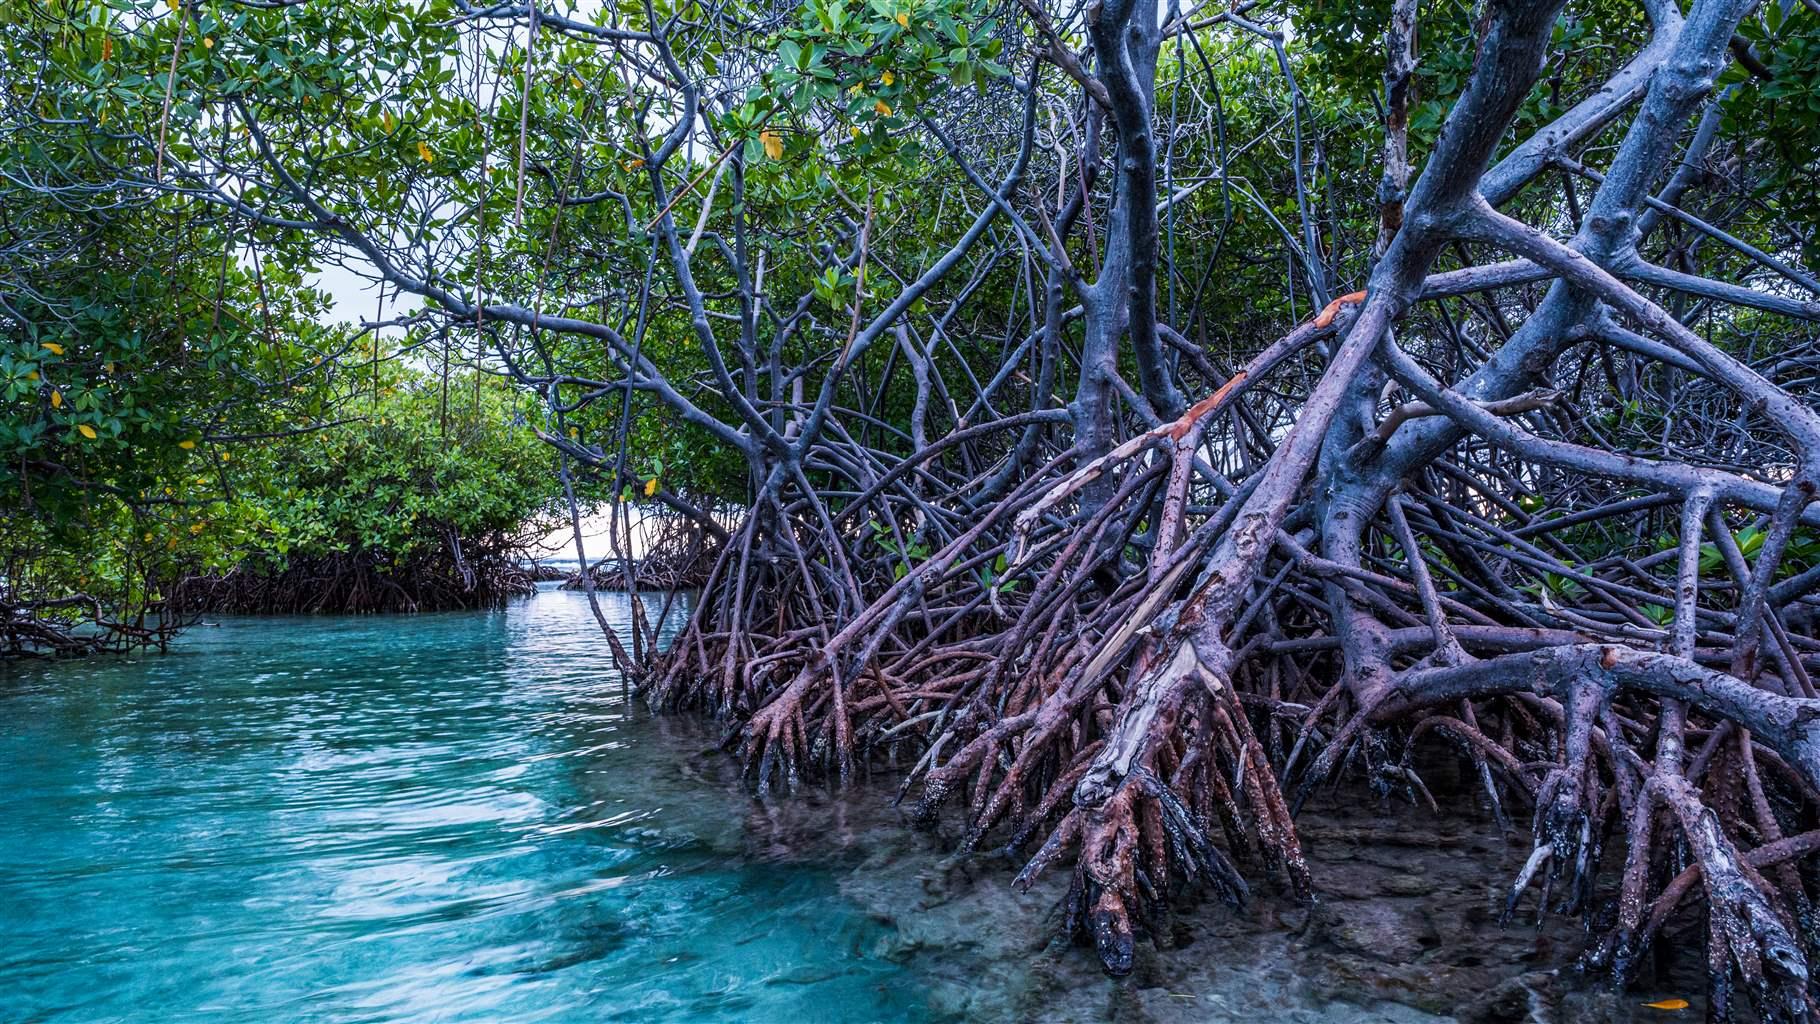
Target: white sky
<point>560,544</point>
<point>353,298</point>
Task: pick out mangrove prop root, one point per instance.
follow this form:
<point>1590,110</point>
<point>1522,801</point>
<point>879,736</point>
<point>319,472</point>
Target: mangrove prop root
<point>1129,657</point>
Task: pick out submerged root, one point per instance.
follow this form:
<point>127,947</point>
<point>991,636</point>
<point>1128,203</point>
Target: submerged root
<point>1752,936</point>
<point>1094,721</point>
<point>776,740</point>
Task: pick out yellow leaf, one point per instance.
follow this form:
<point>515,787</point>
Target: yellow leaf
<point>56,399</point>
<point>573,433</point>
<point>208,42</point>
<point>107,47</point>
<point>855,130</point>
<point>172,4</point>
<point>109,366</point>
<point>1668,1004</point>
<point>197,527</point>
<point>634,164</point>
<point>883,108</point>
<point>53,348</point>
<point>575,81</point>
<point>86,431</point>
<point>225,456</point>
<point>186,444</point>
<point>903,21</point>
<point>650,487</point>
<point>774,146</point>
<point>887,78</point>
<point>385,121</point>
<point>31,375</point>
<point>423,151</point>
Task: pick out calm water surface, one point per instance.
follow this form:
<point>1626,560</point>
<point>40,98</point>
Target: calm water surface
<point>435,818</point>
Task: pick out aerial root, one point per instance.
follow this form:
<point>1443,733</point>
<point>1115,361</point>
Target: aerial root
<point>1751,936</point>
<point>1337,748</point>
<point>1566,843</point>
<point>775,738</point>
<point>1748,935</point>
<point>1108,870</point>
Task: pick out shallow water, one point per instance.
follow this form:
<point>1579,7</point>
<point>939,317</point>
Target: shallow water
<point>462,817</point>
<point>436,818</point>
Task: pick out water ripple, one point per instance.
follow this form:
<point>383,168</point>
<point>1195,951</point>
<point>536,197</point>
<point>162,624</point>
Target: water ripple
<point>435,818</point>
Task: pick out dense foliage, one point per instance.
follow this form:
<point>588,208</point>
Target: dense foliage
<point>410,505</point>
<point>175,403</point>
<point>136,363</point>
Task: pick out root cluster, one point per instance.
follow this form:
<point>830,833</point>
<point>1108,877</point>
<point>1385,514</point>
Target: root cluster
<point>1392,531</point>
<point>358,583</point>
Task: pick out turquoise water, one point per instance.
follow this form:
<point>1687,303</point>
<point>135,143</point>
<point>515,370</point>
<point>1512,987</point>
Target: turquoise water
<point>462,817</point>
<point>434,818</point>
